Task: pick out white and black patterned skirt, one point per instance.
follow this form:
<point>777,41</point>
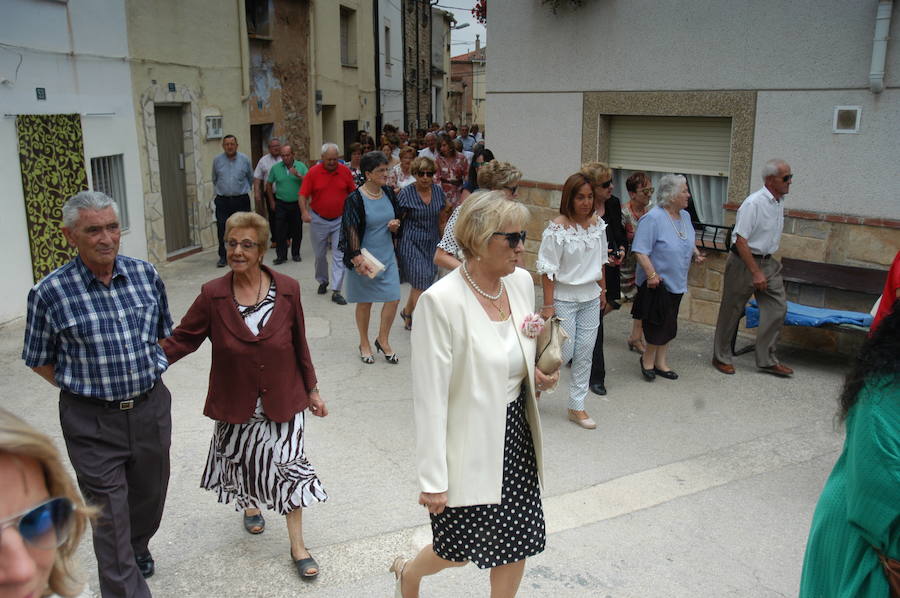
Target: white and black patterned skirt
<point>261,463</point>
<point>499,534</point>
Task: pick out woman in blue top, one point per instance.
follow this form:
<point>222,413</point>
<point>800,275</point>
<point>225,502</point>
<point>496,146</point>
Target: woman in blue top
<point>663,247</point>
<point>371,220</point>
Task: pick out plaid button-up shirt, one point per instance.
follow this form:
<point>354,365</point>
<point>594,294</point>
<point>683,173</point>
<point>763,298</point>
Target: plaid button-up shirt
<point>102,341</point>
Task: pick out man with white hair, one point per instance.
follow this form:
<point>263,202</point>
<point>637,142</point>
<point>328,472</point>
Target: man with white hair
<point>322,195</point>
<point>92,331</point>
<point>430,149</point>
<point>751,270</point>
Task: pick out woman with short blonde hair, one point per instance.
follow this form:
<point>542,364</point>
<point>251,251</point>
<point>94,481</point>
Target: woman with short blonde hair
<point>37,491</point>
<point>478,434</point>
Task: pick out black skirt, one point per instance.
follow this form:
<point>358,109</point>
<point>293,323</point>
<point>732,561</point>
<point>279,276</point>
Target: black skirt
<point>658,309</point>
<point>499,534</point>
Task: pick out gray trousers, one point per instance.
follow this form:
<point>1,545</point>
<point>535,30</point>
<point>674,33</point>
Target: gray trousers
<point>121,460</point>
<point>327,233</point>
<point>737,287</point>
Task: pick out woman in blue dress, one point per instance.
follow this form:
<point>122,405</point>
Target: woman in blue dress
<point>371,221</point>
<point>421,204</point>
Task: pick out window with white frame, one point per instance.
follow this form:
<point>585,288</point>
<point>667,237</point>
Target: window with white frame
<point>108,176</point>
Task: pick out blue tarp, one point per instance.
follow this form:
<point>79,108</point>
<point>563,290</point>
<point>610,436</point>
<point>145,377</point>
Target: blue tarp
<point>803,315</point>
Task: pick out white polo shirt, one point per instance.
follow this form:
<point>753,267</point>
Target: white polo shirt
<point>760,220</point>
<point>427,153</point>
<point>263,167</point>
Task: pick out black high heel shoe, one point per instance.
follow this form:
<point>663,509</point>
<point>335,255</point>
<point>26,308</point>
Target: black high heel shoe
<point>649,375</point>
<point>392,358</point>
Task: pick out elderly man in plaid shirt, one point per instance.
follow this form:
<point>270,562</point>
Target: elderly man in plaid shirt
<point>93,330</point>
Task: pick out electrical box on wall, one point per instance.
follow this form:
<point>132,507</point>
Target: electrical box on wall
<point>214,127</point>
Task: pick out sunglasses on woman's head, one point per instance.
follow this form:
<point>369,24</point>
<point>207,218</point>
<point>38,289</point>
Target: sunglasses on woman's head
<point>513,238</point>
<point>44,526</point>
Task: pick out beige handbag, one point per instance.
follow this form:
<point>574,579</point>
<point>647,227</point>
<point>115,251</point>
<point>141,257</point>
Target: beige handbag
<point>549,345</point>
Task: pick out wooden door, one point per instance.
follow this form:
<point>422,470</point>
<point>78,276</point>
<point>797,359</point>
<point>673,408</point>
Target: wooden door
<point>170,145</point>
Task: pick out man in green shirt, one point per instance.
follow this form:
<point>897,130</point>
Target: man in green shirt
<point>283,190</point>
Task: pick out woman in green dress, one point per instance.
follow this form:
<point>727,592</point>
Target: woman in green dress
<point>858,514</point>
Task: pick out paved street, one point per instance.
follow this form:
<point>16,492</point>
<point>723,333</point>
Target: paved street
<point>701,487</point>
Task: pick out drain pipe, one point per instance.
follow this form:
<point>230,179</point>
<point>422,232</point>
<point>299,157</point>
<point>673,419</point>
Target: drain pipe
<point>879,45</point>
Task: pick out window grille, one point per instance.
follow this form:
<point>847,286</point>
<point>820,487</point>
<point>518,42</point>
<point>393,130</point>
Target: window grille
<point>108,176</point>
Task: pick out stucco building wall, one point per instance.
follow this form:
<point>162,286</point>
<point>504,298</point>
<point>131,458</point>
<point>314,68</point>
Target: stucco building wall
<point>209,75</point>
<point>785,64</point>
<point>98,87</point>
<point>347,91</point>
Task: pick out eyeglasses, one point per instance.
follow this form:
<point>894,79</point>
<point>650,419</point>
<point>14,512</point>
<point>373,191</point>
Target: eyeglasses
<point>512,190</point>
<point>607,184</point>
<point>512,238</point>
<point>648,191</point>
<point>426,173</point>
<point>479,164</point>
<point>232,244</point>
<point>44,526</point>
<point>786,178</point>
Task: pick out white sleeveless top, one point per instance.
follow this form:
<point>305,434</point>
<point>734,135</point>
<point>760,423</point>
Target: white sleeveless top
<point>517,368</point>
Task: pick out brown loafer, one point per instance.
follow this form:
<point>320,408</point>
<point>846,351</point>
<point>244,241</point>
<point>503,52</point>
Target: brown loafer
<point>778,370</point>
<point>725,368</point>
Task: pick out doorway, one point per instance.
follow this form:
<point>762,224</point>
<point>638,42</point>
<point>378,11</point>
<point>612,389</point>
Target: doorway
<point>170,148</point>
<point>351,128</point>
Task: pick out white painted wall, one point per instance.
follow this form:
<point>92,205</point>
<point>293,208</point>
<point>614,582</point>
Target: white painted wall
<point>540,133</point>
<point>837,173</point>
<point>803,58</point>
<point>96,84</point>
<point>685,44</point>
<point>391,84</point>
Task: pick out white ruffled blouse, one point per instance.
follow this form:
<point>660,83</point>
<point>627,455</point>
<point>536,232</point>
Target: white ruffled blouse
<point>573,257</point>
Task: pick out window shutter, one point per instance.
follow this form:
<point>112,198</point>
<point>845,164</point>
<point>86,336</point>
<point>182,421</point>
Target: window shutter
<point>693,145</point>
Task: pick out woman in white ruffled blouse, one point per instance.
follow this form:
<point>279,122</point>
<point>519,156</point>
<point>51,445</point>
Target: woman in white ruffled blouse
<point>570,261</point>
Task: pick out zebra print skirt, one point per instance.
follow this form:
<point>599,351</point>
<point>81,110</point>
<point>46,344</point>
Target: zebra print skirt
<point>261,463</point>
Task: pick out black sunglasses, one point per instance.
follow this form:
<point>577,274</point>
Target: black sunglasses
<point>513,238</point>
<point>606,184</point>
<point>44,526</point>
<point>787,177</point>
<point>426,173</point>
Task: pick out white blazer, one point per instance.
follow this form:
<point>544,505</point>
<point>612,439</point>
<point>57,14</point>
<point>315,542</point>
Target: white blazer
<point>459,373</point>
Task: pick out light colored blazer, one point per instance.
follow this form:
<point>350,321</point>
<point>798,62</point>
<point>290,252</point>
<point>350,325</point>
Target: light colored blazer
<point>459,367</point>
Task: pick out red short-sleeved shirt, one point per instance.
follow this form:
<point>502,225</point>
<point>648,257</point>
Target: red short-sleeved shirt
<point>327,190</point>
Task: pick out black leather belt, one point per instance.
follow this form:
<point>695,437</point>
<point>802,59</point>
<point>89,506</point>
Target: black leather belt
<point>120,405</point>
<point>759,255</point>
<point>241,196</point>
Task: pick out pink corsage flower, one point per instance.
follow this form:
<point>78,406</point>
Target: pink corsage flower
<point>532,325</point>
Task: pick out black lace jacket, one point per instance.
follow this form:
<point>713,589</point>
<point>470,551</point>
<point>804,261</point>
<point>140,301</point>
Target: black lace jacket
<point>353,223</point>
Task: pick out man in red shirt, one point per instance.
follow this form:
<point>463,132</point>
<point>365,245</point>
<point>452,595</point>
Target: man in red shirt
<point>322,195</point>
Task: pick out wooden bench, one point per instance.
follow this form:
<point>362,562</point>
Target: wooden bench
<point>869,281</point>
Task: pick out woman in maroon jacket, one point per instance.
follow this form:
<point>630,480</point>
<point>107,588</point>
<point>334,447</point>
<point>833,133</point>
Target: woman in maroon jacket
<point>260,382</point>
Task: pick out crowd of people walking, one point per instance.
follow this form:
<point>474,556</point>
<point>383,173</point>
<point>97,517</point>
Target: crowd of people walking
<point>99,328</point>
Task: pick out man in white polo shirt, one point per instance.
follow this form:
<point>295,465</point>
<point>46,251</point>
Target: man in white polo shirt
<point>260,176</point>
<point>751,270</point>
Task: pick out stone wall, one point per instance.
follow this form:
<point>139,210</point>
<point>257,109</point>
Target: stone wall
<point>826,238</point>
<point>417,64</point>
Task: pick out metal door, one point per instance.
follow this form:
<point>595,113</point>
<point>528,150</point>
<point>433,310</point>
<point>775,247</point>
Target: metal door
<point>170,145</point>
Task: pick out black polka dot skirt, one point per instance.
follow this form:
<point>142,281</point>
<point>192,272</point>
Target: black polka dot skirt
<point>499,534</point>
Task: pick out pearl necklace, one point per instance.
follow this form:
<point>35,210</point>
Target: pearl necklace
<point>478,289</point>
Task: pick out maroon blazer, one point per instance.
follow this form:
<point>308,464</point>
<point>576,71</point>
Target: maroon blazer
<point>274,366</point>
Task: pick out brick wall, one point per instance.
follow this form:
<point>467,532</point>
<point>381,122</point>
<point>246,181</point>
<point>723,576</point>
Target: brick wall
<point>417,63</point>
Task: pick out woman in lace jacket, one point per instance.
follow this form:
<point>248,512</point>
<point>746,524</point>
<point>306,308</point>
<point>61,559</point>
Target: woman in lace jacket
<point>570,261</point>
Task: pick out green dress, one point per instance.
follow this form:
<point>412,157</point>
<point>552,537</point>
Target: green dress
<point>860,504</point>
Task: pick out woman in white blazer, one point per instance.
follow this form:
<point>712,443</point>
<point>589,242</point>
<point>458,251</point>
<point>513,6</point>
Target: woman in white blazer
<point>477,426</point>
